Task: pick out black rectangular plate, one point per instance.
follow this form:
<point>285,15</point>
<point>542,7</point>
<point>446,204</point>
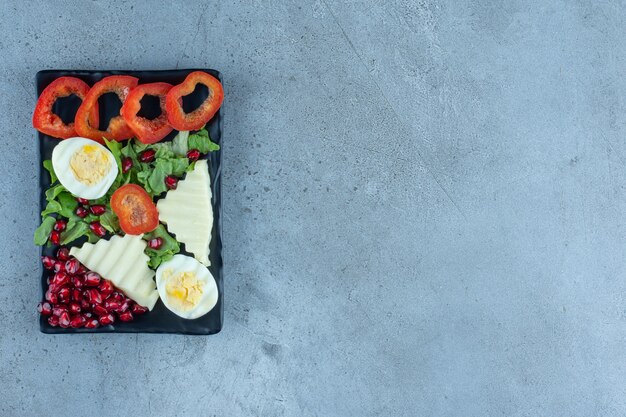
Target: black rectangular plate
<point>160,319</point>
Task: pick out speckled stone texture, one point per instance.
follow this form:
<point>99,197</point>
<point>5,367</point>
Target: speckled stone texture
<point>424,210</point>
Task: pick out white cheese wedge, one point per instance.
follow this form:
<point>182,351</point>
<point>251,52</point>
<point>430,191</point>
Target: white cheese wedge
<point>188,213</point>
<point>122,261</point>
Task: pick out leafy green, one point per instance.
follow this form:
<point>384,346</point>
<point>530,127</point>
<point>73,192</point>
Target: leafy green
<point>52,193</point>
<point>43,231</point>
<point>47,164</point>
<point>168,249</point>
<point>116,149</point>
<point>110,221</point>
<point>180,145</point>
<point>202,142</point>
<point>68,204</point>
<point>75,230</point>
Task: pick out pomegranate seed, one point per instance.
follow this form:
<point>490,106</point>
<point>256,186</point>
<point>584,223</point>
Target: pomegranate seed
<point>82,201</point>
<point>77,281</point>
<point>44,308</point>
<point>71,266</point>
<point>193,155</point>
<point>99,310</point>
<point>48,262</point>
<point>53,320</point>
<point>52,297</point>
<point>94,296</point>
<point>82,212</point>
<point>63,254</point>
<point>87,315</point>
<point>91,323</point>
<point>81,270</point>
<point>64,295</point>
<point>98,209</point>
<point>60,278</point>
<point>127,164</point>
<point>124,306</point>
<point>116,296</point>
<point>106,288</point>
<point>75,308</point>
<point>59,266</point>
<point>107,319</point>
<point>77,322</point>
<point>97,228</point>
<point>60,225</point>
<point>171,182</point>
<point>84,304</point>
<point>92,279</point>
<point>112,305</point>
<point>58,310</point>
<point>77,296</point>
<point>155,243</point>
<point>126,316</point>
<point>55,237</point>
<point>147,155</point>
<point>64,320</point>
<point>137,309</point>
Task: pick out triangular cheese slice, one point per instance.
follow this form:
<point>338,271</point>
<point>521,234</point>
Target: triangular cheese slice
<point>188,213</point>
<point>122,261</point>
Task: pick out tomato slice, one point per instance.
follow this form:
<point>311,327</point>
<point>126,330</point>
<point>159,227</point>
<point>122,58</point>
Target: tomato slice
<point>135,209</point>
<point>194,120</point>
<point>45,121</point>
<point>117,129</point>
<point>146,130</point>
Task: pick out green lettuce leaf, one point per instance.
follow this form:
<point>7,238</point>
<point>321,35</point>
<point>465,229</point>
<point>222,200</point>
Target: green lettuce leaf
<point>43,231</point>
<point>116,149</point>
<point>47,164</point>
<point>110,221</point>
<point>202,142</point>
<point>75,230</point>
<point>180,145</point>
<point>168,249</point>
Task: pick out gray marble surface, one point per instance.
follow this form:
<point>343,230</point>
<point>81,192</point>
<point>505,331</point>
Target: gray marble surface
<point>424,210</point>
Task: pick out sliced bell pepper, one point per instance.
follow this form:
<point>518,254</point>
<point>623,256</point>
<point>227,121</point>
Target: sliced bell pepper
<point>194,120</point>
<point>117,129</point>
<point>146,130</point>
<point>45,121</point>
<point>135,209</point>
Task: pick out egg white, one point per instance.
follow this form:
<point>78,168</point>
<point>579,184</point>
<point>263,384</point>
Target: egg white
<point>61,156</point>
<point>183,263</point>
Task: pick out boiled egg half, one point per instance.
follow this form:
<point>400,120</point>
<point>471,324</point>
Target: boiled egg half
<point>186,287</point>
<point>84,167</point>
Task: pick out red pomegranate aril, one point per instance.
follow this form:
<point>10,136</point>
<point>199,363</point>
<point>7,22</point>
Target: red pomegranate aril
<point>57,310</point>
<point>126,316</point>
<point>72,265</point>
<point>81,212</point>
<point>77,321</point>
<point>97,228</point>
<point>55,237</point>
<point>63,254</point>
<point>60,278</point>
<point>147,155</point>
<point>155,243</point>
<point>84,304</point>
<point>74,308</point>
<point>137,309</point>
<point>77,295</point>
<point>64,320</point>
<point>106,288</point>
<point>92,323</point>
<point>171,182</point>
<point>44,308</point>
<point>99,310</point>
<point>124,306</point>
<point>81,270</point>
<point>48,262</point>
<point>127,164</point>
<point>107,319</point>
<point>92,279</point>
<point>77,281</point>
<point>87,315</point>
<point>60,225</point>
<point>112,305</point>
<point>82,201</point>
<point>59,266</point>
<point>98,209</point>
<point>94,296</point>
<point>64,295</point>
<point>53,320</point>
<point>193,155</point>
<point>51,296</point>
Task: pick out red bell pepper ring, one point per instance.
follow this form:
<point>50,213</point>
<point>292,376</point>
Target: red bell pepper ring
<point>118,129</point>
<point>146,130</point>
<point>194,120</point>
<point>45,121</point>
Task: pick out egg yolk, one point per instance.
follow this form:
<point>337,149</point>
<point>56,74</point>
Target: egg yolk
<point>90,164</point>
<point>184,289</point>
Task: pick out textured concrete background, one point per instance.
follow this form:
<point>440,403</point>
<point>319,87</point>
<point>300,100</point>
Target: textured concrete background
<point>424,202</point>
